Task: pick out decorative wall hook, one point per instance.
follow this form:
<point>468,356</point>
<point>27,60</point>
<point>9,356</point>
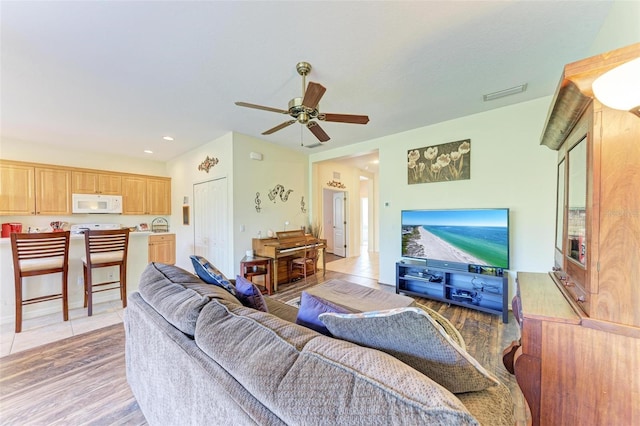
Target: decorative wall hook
<point>258,208</point>
<point>302,209</point>
<point>208,163</point>
<point>336,184</point>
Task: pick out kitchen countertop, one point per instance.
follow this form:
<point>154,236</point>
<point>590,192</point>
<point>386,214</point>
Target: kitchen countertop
<point>134,234</point>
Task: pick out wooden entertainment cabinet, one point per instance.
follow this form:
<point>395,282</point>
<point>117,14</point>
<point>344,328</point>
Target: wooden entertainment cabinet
<point>475,290</point>
<point>578,358</point>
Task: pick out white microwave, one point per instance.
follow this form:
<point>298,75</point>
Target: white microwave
<point>93,203</point>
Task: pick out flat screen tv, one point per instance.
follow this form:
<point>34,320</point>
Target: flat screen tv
<point>462,239</point>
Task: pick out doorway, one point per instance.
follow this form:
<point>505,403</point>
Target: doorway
<point>211,223</point>
<point>334,220</point>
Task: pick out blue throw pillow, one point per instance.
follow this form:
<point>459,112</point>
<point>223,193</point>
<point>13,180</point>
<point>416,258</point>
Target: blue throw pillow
<point>311,307</point>
<point>249,294</point>
<point>210,274</point>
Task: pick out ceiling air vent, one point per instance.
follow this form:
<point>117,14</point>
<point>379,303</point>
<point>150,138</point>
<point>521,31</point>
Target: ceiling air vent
<point>506,92</point>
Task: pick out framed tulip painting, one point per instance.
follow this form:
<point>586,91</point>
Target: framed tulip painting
<point>440,163</point>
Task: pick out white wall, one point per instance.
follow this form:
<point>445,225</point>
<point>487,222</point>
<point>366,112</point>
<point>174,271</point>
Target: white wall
<point>245,177</point>
<point>11,149</point>
<point>279,166</point>
<point>509,168</point>
<point>184,174</point>
<point>621,28</point>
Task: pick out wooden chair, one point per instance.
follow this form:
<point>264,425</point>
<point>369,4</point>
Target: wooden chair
<point>103,249</point>
<point>306,264</point>
<point>40,254</point>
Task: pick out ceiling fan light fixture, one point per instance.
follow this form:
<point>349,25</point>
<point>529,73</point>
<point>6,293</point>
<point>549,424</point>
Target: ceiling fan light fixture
<point>506,92</point>
<point>305,109</point>
<point>303,118</point>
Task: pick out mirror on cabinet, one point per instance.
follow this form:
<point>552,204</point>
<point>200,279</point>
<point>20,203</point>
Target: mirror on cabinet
<point>560,206</point>
<point>576,201</point>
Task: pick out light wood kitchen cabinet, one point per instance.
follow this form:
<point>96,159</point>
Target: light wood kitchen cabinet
<point>145,195</point>
<point>29,190</point>
<point>42,189</point>
<point>53,191</point>
<point>17,190</point>
<point>162,248</point>
<point>159,196</point>
<point>96,183</point>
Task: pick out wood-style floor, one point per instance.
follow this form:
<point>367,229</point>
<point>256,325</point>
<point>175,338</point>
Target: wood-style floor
<point>81,380</point>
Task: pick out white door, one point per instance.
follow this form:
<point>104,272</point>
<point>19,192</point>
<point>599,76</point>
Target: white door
<point>339,224</point>
<point>210,223</point>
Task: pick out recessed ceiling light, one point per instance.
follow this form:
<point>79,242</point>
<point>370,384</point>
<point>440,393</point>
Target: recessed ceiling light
<point>506,92</point>
<point>148,151</point>
<point>167,138</point>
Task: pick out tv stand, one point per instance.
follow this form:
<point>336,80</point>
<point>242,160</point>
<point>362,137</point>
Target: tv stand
<point>486,293</point>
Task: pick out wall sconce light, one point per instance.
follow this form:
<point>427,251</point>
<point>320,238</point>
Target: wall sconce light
<point>619,88</point>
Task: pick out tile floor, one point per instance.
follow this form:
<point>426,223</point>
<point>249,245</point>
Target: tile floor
<point>366,265</point>
<point>49,328</point>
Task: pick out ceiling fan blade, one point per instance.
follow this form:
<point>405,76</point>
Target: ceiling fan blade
<point>345,118</point>
<point>313,94</point>
<point>265,108</point>
<point>279,127</point>
<point>317,131</point>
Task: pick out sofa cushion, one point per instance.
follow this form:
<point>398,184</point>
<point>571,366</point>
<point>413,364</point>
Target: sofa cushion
<point>299,374</point>
<point>281,310</point>
<point>249,294</point>
<point>163,287</point>
<point>311,307</point>
<point>413,337</point>
<point>210,274</point>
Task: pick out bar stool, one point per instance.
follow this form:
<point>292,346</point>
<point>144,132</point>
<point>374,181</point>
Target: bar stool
<point>103,249</point>
<point>40,254</point>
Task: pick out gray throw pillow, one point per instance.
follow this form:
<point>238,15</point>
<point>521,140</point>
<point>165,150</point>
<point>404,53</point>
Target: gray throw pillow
<point>413,337</point>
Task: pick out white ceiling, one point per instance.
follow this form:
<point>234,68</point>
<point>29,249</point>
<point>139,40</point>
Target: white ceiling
<point>116,76</point>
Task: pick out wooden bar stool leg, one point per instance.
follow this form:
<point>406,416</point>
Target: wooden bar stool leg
<point>18,303</point>
<point>123,285</point>
<point>84,275</point>
<point>65,296</point>
<point>88,288</point>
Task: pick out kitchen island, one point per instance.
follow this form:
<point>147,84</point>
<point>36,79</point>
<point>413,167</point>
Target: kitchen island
<point>137,260</point>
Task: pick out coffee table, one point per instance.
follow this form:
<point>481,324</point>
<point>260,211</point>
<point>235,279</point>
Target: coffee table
<point>358,298</point>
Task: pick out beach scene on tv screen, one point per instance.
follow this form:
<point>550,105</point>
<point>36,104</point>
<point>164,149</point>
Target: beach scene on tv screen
<point>478,237</point>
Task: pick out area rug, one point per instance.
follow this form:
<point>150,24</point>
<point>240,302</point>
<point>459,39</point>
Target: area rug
<point>294,302</point>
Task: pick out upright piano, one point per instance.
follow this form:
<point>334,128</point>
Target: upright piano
<point>285,246</point>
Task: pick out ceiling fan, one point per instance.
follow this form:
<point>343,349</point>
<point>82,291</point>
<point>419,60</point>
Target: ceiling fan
<point>305,109</point>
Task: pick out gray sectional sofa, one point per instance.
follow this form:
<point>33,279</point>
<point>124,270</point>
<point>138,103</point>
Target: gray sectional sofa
<point>196,356</point>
